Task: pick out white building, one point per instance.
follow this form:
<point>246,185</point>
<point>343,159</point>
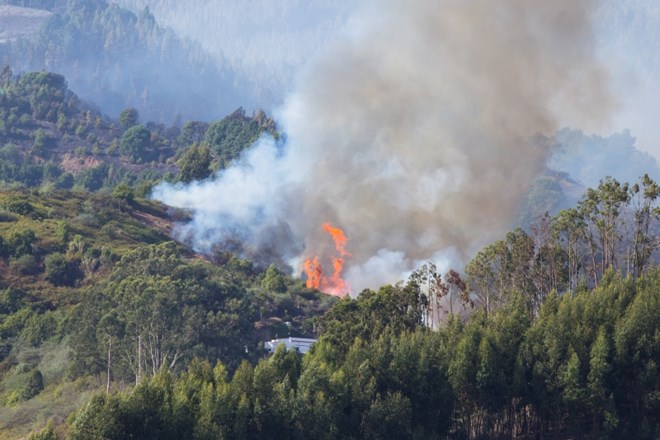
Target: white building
<point>301,345</point>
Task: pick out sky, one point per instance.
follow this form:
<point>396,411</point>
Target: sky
<point>628,36</point>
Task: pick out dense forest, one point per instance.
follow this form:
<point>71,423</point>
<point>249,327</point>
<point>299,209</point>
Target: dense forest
<point>50,139</point>
<point>554,334</point>
<point>109,329</point>
<point>584,367</point>
<point>95,295</point>
<point>119,59</point>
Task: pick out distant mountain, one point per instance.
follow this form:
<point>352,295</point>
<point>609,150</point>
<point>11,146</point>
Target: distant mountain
<point>120,59</point>
<point>578,161</point>
<point>17,22</point>
<point>590,158</point>
<point>265,42</point>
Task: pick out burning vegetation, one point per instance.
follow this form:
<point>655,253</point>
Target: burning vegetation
<point>333,284</point>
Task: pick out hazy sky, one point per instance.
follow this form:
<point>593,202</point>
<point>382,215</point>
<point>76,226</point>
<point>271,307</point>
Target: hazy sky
<point>629,32</point>
<point>268,41</point>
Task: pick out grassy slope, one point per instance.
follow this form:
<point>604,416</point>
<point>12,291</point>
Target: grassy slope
<point>100,221</point>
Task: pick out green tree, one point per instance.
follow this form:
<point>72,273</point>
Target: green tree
<point>110,328</point>
<point>194,164</point>
<point>99,419</point>
<point>602,208</point>
<point>230,136</point>
<point>40,143</point>
<point>22,243</point>
<point>646,214</point>
<point>124,194</point>
<point>193,132</point>
<point>135,142</point>
<point>568,229</point>
<point>273,280</point>
<point>63,232</point>
<point>388,417</point>
<point>600,395</point>
<point>128,118</point>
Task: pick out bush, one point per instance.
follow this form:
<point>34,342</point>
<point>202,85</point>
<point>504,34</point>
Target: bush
<point>34,386</point>
<point>65,181</point>
<point>128,118</point>
<point>48,433</point>
<point>38,328</point>
<point>25,265</point>
<point>22,243</point>
<point>11,300</point>
<point>7,216</point>
<point>124,192</point>
<point>18,205</point>
<point>60,271</point>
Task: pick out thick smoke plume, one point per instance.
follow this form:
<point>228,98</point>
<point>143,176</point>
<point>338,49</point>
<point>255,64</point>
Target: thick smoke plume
<point>411,133</point>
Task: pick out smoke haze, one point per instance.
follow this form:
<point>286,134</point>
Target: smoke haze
<point>411,131</point>
<point>262,41</point>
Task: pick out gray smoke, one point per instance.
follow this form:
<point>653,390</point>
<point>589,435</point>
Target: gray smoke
<point>412,132</point>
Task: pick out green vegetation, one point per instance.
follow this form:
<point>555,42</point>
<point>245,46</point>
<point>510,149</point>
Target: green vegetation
<point>228,137</point>
<point>95,296</point>
<point>135,142</point>
<point>585,367</point>
<point>111,330</point>
<point>143,340</point>
<point>194,164</point>
<point>613,228</point>
<point>52,141</point>
<point>117,59</point>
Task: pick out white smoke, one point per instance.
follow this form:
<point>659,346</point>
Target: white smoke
<point>411,133</point>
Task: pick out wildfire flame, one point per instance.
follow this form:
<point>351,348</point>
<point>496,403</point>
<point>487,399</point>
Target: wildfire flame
<point>334,284</point>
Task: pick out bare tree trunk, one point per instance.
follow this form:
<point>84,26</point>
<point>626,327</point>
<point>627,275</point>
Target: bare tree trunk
<point>107,384</point>
<point>139,361</point>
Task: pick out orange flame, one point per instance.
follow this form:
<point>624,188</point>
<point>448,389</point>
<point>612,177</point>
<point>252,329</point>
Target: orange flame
<point>334,284</point>
<point>314,272</point>
<point>339,238</point>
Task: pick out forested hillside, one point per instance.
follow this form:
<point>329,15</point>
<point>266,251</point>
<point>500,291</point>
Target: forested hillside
<point>110,329</point>
<point>585,367</point>
<point>554,333</point>
<point>50,139</point>
<point>95,295</point>
<point>119,59</point>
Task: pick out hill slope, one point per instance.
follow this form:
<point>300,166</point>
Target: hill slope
<point>82,274</point>
<point>119,59</point>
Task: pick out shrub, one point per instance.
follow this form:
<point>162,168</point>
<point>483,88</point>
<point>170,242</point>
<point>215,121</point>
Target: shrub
<point>34,386</point>
<point>18,205</point>
<point>25,265</point>
<point>59,271</point>
<point>38,328</point>
<point>134,142</point>
<point>7,216</point>
<point>22,243</point>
